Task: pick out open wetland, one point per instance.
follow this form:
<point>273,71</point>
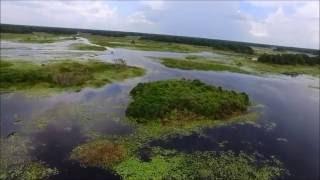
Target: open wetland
<point>87,108</point>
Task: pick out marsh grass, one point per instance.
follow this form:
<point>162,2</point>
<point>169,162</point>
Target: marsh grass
<point>197,64</point>
<point>239,63</point>
<point>99,153</point>
<point>36,37</point>
<point>62,75</point>
<point>264,68</point>
<point>88,47</point>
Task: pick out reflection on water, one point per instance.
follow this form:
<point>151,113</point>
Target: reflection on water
<point>288,127</point>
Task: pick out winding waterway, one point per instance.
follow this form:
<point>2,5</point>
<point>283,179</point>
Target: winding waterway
<point>287,129</point>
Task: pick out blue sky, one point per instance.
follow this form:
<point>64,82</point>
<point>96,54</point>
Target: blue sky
<point>289,23</point>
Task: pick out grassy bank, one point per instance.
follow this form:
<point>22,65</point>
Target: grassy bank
<point>62,75</point>
<point>36,37</point>
<point>200,64</point>
<point>264,68</point>
<point>87,47</point>
<point>232,62</point>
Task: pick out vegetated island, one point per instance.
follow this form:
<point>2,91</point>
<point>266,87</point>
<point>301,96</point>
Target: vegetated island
<point>176,99</point>
<point>61,75</point>
<point>87,47</point>
<point>169,106</point>
<point>201,64</point>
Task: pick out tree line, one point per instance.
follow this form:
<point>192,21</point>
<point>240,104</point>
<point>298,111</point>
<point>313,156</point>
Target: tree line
<point>216,44</point>
<point>289,59</point>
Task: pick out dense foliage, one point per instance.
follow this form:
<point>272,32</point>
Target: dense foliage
<point>158,100</point>
<point>289,59</point>
<point>216,44</point>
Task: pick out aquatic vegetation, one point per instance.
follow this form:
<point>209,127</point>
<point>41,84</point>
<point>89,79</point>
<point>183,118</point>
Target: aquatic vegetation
<point>35,37</point>
<point>88,47</point>
<point>170,164</point>
<point>16,162</point>
<point>99,153</point>
<point>183,100</point>
<point>68,74</point>
<point>197,64</point>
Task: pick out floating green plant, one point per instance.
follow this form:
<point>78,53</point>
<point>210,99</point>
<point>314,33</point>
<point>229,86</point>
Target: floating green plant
<point>170,164</point>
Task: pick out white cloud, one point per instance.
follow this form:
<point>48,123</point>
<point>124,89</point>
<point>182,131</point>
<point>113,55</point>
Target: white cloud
<point>78,14</point>
<point>154,4</point>
<point>298,28</point>
<point>279,22</point>
<point>139,17</point>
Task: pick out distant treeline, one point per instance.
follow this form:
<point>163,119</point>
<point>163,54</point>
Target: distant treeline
<point>298,50</point>
<point>242,47</point>
<point>216,44</point>
<point>9,28</point>
<point>289,59</point>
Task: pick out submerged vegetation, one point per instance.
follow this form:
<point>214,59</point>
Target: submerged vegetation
<point>16,162</point>
<point>35,37</point>
<point>197,64</point>
<point>88,47</point>
<point>99,153</point>
<point>68,74</point>
<point>183,99</point>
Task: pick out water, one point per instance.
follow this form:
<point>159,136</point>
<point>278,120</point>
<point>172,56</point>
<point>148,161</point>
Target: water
<point>288,127</point>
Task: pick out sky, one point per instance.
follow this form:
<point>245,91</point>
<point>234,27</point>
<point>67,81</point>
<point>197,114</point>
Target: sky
<point>287,23</point>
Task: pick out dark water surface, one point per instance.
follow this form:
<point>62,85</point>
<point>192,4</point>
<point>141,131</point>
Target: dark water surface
<point>287,129</point>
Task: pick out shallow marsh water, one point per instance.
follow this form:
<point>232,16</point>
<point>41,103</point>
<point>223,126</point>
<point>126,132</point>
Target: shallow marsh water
<point>288,127</point>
